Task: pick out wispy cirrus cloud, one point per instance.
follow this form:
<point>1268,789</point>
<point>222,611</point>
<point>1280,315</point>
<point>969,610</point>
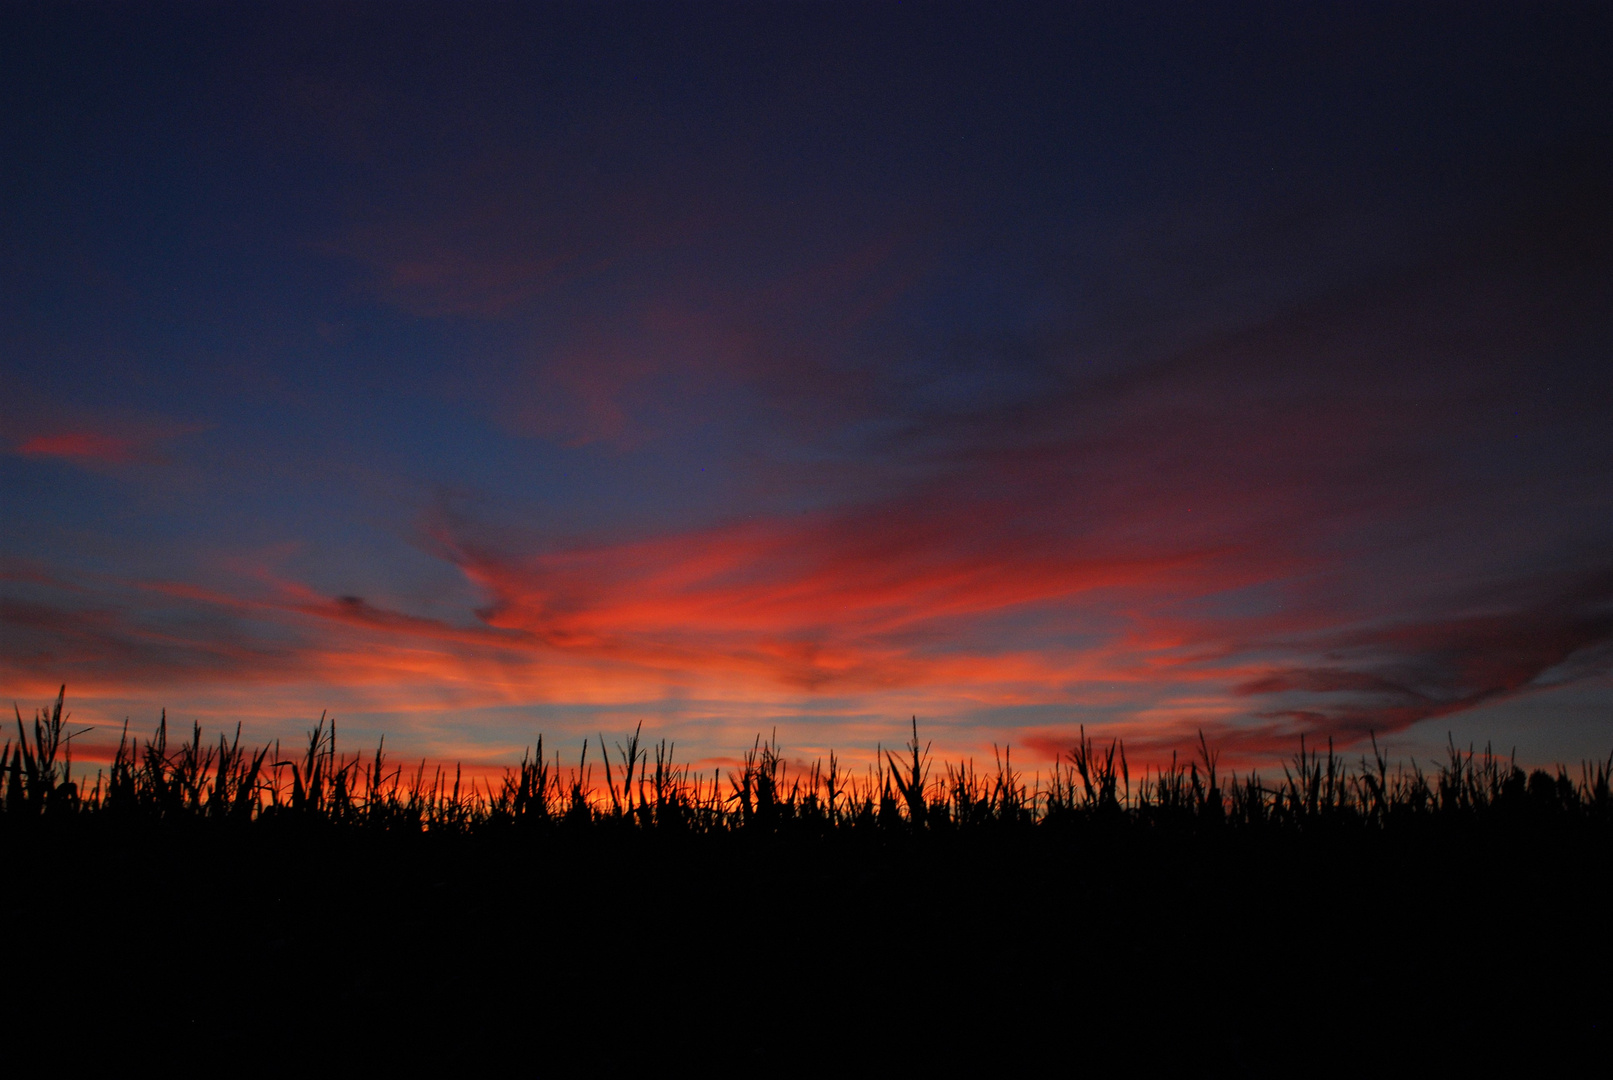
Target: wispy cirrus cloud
<point>81,447</point>
<point>98,440</point>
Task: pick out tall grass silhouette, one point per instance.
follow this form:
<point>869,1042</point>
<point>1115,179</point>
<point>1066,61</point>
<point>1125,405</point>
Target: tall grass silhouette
<point>924,907</point>
<point>642,787</point>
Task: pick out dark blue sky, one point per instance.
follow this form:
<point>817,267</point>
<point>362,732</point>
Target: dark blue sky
<point>475,370</point>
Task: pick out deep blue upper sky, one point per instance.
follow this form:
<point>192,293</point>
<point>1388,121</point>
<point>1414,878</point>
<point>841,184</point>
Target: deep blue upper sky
<point>480,369</point>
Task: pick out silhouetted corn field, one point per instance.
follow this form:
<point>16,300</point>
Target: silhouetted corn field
<point>640,786</point>
<point>201,894</point>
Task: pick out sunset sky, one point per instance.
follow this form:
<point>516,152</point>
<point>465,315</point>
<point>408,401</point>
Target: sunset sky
<point>475,371</point>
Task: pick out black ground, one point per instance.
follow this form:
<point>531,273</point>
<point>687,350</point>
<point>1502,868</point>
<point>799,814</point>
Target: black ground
<point>1217,953</point>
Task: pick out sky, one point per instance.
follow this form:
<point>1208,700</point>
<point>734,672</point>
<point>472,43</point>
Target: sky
<point>473,371</point>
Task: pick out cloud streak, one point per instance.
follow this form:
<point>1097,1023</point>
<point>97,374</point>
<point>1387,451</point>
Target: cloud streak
<point>81,446</point>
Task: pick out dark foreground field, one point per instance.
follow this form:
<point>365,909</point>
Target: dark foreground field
<point>212,909</point>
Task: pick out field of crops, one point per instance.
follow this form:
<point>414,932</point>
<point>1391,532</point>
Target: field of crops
<point>627,913</point>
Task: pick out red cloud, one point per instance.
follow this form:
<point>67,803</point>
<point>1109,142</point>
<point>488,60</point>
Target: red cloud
<point>878,598</point>
<point>84,446</point>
